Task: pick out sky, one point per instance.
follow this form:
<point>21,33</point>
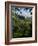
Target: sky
<point>26,12</point>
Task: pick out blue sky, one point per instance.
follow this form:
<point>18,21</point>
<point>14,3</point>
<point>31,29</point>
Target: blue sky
<point>24,12</point>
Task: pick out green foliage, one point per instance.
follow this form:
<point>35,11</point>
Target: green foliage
<point>22,27</point>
